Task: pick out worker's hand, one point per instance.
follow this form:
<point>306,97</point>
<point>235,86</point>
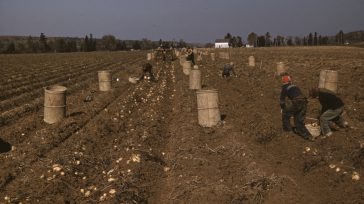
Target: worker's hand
<point>283,106</point>
<point>281,111</point>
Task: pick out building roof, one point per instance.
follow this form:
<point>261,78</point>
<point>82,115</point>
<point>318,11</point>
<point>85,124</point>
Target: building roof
<point>221,41</point>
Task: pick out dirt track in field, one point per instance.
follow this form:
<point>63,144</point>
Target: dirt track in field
<point>142,143</point>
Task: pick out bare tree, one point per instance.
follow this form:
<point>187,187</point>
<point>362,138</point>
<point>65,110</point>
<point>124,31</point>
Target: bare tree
<point>108,42</point>
<point>252,39</point>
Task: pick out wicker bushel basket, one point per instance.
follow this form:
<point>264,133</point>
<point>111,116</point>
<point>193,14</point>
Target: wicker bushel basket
<point>314,129</point>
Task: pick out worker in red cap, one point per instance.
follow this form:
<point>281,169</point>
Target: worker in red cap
<point>295,106</point>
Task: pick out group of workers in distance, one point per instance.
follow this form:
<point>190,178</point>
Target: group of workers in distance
<point>147,73</point>
<point>296,107</point>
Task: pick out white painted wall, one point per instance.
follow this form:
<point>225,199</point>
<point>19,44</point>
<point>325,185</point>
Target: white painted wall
<point>222,45</point>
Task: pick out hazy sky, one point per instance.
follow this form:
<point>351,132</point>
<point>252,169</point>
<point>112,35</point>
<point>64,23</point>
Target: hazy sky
<point>190,20</point>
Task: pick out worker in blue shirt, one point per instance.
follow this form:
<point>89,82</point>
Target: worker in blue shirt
<point>297,108</point>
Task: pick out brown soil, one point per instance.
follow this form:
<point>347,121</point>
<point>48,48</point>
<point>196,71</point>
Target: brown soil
<point>141,143</point>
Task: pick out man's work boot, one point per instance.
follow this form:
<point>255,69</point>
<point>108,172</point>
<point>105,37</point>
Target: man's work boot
<point>287,129</point>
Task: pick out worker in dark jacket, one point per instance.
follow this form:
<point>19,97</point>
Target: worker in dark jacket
<point>297,108</point>
<point>190,56</point>
<point>147,72</point>
<point>228,70</point>
<point>331,111</point>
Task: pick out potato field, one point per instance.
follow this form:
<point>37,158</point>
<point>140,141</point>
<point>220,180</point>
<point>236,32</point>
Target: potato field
<point>141,143</point>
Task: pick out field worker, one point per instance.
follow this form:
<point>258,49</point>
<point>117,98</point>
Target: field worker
<point>228,70</point>
<point>147,72</point>
<point>190,56</point>
<point>295,106</point>
<point>331,111</point>
<point>164,54</point>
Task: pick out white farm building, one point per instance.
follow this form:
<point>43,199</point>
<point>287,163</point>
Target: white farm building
<point>221,43</point>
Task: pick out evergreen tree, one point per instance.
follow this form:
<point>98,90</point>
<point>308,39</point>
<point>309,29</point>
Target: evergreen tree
<point>319,40</point>
<point>267,39</point>
<point>280,40</point>
<point>229,38</point>
<point>146,44</point>
<point>60,45</point>
<point>325,40</point>
<point>240,41</point>
<point>166,45</point>
<point>71,46</point>
<point>181,43</point>
<point>11,48</point>
<point>233,41</point>
<point>125,47</point>
<point>209,45</point>
<point>30,45</point>
<point>340,37</point>
<point>20,47</point>
<point>315,39</point>
<point>91,43</point>
<point>51,46</point>
<point>261,41</point>
<point>43,43</point>
<point>310,39</point>
<point>94,45</point>
<point>136,45</point>
<point>1,46</point>
<point>86,44</point>
<point>297,41</point>
<point>119,45</point>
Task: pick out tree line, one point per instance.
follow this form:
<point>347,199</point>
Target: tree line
<point>267,40</point>
<point>42,44</point>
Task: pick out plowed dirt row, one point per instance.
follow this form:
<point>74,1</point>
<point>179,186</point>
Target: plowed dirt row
<point>30,101</point>
<point>34,91</point>
<point>34,77</point>
<point>33,138</point>
<point>110,125</point>
<point>34,66</point>
<point>61,74</point>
